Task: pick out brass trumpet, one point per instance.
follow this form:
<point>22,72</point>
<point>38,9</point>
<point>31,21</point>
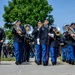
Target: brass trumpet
<point>57,33</point>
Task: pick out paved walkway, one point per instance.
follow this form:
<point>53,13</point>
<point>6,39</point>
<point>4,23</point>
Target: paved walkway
<point>9,68</point>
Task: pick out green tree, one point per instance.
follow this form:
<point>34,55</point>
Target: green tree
<point>28,11</point>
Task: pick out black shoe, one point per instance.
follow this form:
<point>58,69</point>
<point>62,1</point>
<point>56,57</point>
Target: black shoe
<point>27,60</point>
<point>63,60</point>
<point>17,63</point>
<point>67,61</point>
<point>53,63</point>
<point>72,63</point>
<point>20,63</point>
<point>24,60</point>
<point>38,63</point>
<point>45,64</point>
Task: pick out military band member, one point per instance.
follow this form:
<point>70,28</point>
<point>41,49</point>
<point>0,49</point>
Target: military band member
<point>44,42</point>
<point>37,43</point>
<point>54,45</point>
<point>73,26</point>
<point>18,32</point>
<point>5,52</point>
<point>70,49</point>
<point>64,46</point>
<point>2,38</point>
<point>27,50</point>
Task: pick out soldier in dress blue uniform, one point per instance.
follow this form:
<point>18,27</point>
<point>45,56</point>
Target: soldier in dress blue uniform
<point>64,46</point>
<point>2,38</point>
<point>18,42</point>
<point>73,26</point>
<point>44,40</point>
<point>70,49</point>
<point>27,50</point>
<point>37,43</point>
<point>54,45</point>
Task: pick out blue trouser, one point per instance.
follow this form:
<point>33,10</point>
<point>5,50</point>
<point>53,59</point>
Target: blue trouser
<point>19,49</point>
<point>64,53</point>
<point>44,53</point>
<point>27,52</point>
<point>37,53</point>
<point>74,52</point>
<point>54,54</point>
<point>31,54</point>
<point>0,49</point>
<point>70,54</point>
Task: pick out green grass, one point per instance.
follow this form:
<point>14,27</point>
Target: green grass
<point>60,58</point>
<point>8,59</point>
<point>13,59</point>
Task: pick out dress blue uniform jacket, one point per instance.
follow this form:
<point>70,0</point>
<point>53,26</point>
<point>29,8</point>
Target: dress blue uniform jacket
<point>43,34</point>
<point>70,40</point>
<point>17,37</point>
<point>2,34</point>
<point>54,42</point>
<point>36,34</point>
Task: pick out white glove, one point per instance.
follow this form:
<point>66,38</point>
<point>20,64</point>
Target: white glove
<point>38,41</point>
<point>38,29</point>
<point>51,35</point>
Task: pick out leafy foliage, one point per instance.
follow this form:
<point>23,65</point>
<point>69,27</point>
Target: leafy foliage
<point>28,11</point>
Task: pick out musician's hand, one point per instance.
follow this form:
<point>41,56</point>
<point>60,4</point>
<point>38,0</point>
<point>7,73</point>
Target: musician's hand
<point>72,35</point>
<point>38,29</point>
<point>38,41</point>
<point>19,32</point>
<point>1,41</point>
<point>49,34</point>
